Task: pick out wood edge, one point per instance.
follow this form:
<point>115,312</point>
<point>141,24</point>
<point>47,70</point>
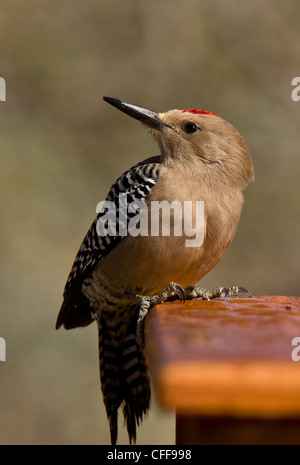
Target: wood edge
<point>254,389</point>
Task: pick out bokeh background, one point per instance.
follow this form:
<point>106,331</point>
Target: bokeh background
<point>61,147</point>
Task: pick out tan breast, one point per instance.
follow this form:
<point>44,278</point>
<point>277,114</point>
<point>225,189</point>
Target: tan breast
<point>146,264</point>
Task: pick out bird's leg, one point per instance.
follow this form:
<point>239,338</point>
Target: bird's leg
<point>198,291</point>
<point>145,303</point>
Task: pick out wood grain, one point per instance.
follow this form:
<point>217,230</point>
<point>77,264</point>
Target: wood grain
<point>226,356</point>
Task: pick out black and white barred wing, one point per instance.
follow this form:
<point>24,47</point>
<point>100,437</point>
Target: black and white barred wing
<point>106,231</point>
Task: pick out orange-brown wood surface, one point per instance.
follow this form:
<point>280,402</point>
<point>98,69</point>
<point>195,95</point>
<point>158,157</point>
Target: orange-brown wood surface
<point>226,356</point>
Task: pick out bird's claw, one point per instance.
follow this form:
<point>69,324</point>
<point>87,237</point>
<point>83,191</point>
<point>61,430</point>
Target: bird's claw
<point>175,289</point>
<point>171,290</point>
<point>232,291</point>
<point>146,303</point>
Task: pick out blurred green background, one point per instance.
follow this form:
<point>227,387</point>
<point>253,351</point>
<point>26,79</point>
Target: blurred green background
<point>61,147</point>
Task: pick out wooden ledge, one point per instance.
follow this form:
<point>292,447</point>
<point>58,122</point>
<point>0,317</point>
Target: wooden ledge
<point>226,357</point>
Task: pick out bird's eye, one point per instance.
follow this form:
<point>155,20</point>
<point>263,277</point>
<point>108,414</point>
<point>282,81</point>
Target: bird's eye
<point>191,128</point>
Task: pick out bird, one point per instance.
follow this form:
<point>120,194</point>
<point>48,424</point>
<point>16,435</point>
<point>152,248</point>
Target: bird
<point>117,277</point>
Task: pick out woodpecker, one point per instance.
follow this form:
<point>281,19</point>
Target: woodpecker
<point>116,278</point>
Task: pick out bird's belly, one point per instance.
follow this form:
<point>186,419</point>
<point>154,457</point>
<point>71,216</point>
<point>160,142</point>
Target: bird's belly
<point>150,267</point>
<point>146,265</point>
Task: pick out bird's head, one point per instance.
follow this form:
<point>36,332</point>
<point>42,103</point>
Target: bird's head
<point>197,140</point>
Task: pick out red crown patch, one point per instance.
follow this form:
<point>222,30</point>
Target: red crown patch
<point>199,112</point>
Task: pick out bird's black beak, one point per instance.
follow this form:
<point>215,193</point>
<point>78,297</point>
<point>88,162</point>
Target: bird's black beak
<point>144,115</point>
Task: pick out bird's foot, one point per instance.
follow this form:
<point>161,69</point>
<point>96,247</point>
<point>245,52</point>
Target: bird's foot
<point>198,291</point>
<point>146,303</point>
<point>171,290</point>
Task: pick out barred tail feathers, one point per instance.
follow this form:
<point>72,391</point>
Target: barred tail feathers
<point>110,378</point>
<point>124,380</point>
<point>136,385</point>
